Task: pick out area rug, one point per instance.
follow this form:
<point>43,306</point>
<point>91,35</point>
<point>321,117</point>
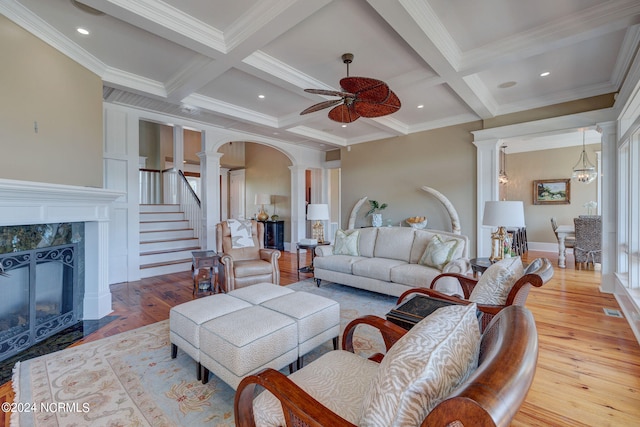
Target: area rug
<point>130,378</point>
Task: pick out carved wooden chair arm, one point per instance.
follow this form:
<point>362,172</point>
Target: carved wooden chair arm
<point>432,293</point>
<point>466,283</point>
<point>299,408</point>
<point>390,332</point>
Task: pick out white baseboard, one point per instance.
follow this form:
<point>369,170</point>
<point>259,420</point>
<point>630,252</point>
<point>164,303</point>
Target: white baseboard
<point>629,300</point>
<point>546,247</point>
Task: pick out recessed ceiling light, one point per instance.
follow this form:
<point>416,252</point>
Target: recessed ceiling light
<point>506,84</point>
<point>83,31</point>
<point>421,106</point>
<point>545,74</point>
<point>344,126</point>
<point>261,96</point>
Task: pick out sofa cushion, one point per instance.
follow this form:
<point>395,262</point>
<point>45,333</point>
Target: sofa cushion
<point>367,241</point>
<point>423,367</point>
<point>337,263</point>
<point>414,275</point>
<point>439,252</point>
<point>394,243</point>
<point>496,282</point>
<point>375,268</point>
<point>346,242</point>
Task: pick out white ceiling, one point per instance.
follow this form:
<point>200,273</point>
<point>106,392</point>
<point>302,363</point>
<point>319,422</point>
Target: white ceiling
<point>208,60</point>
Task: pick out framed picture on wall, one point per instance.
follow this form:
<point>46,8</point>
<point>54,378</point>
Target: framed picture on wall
<point>552,192</point>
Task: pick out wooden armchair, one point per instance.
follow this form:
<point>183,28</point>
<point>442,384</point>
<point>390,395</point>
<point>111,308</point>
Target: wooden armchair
<point>490,396</point>
<point>248,265</point>
<point>539,272</point>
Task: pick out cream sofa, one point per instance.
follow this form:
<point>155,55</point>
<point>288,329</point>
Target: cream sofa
<point>388,260</point>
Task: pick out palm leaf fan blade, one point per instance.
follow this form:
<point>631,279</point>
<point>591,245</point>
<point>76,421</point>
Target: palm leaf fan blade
<point>344,114</point>
<point>368,109</point>
<point>366,89</point>
<point>321,106</point>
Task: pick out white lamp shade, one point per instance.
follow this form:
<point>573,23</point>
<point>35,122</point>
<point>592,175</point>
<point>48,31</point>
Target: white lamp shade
<point>503,214</point>
<point>263,199</point>
<point>318,212</point>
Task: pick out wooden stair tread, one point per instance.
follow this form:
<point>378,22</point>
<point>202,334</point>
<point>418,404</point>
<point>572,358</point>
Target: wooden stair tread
<point>168,251</point>
<point>160,264</point>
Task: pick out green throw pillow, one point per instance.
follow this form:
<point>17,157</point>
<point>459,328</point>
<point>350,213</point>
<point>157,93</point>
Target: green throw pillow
<point>439,252</point>
<point>346,243</point>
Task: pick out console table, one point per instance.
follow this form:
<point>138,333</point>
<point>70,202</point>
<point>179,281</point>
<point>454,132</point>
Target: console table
<point>274,234</point>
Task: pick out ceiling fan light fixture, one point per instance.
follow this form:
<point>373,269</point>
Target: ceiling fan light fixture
<point>584,171</point>
<point>360,97</point>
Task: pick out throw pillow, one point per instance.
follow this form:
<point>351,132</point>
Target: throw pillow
<point>496,282</point>
<point>240,233</point>
<point>346,243</point>
<point>423,367</point>
<point>439,252</point>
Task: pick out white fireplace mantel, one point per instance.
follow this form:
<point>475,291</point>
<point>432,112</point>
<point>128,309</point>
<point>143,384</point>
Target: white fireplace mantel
<point>27,203</point>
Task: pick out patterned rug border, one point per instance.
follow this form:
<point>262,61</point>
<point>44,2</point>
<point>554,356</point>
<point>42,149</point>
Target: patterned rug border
<point>133,374</point>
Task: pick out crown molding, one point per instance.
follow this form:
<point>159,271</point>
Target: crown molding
<point>253,20</point>
<point>175,20</point>
<point>133,82</point>
<point>270,65</point>
<point>231,110</point>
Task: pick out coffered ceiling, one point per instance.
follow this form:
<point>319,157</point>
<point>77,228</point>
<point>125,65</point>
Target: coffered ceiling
<point>449,61</point>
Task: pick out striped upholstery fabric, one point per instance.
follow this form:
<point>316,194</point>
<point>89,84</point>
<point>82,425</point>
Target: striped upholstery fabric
<point>496,282</point>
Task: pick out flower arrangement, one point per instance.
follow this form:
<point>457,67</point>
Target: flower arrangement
<point>375,207</point>
<point>590,206</point>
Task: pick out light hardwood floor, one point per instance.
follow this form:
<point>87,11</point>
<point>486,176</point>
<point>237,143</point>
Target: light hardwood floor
<point>588,371</point>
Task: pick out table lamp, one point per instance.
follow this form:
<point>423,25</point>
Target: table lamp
<point>502,214</point>
<point>318,213</point>
<point>263,199</point>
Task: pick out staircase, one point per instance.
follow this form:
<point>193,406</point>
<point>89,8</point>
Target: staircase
<point>166,240</point>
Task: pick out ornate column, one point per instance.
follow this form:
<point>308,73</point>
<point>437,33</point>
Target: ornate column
<point>609,202</point>
<point>210,179</point>
<point>487,188</point>
<point>297,203</point>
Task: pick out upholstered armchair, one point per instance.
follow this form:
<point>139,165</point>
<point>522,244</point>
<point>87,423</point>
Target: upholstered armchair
<point>588,247</point>
<point>503,284</point>
<point>248,265</point>
<point>417,381</point>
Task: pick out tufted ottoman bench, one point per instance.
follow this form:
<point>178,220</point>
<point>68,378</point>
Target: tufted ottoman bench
<point>259,326</point>
<point>247,341</point>
<point>318,319</point>
<point>185,321</point>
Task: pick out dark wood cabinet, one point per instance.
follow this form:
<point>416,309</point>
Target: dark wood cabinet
<point>274,234</point>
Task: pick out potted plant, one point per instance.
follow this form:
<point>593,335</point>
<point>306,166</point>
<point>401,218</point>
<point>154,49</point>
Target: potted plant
<point>374,211</point>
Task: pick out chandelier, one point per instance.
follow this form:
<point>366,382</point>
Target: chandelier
<point>502,176</point>
<point>584,171</point>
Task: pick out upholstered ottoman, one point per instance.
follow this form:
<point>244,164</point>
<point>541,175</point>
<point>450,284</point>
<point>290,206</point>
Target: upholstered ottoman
<point>185,321</point>
<point>318,319</point>
<point>260,292</point>
<point>246,341</point>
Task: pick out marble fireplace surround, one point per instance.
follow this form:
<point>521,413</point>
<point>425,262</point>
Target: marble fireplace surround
<point>27,203</point>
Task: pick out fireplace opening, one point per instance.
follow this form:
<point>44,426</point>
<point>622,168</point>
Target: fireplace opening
<point>40,293</point>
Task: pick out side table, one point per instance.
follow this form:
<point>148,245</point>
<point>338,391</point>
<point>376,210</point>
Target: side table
<point>479,265</point>
<point>211,261</point>
<point>312,246</point>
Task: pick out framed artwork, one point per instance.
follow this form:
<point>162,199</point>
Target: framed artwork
<point>552,192</point>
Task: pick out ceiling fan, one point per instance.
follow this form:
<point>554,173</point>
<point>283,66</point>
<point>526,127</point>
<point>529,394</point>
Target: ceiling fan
<point>360,97</point>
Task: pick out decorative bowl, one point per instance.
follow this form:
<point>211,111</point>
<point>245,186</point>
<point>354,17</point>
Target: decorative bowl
<point>418,222</point>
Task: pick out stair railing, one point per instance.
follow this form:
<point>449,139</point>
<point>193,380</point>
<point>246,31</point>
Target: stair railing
<point>190,205</point>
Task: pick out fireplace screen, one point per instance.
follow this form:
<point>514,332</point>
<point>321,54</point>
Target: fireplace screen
<point>39,296</point>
